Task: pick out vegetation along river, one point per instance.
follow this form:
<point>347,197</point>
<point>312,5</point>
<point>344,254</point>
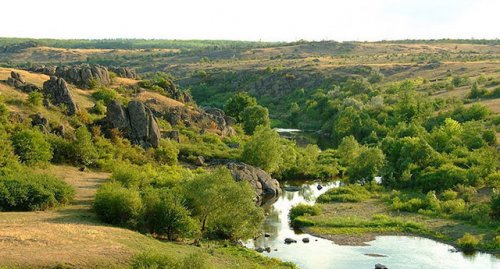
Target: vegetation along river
<point>391,251</point>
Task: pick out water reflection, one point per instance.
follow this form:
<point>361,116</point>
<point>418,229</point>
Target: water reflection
<point>392,251</point>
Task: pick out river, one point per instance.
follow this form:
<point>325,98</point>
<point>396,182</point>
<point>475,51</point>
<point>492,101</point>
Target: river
<point>399,251</point>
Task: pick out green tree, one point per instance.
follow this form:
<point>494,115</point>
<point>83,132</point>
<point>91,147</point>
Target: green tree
<point>31,147</point>
<point>164,214</point>
<point>118,205</point>
<point>264,149</point>
<point>225,208</point>
<point>237,103</point>
<point>254,116</point>
<point>348,150</point>
<point>366,165</point>
<point>84,150</point>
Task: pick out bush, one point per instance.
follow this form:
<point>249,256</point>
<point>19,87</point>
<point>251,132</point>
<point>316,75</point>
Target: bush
<point>495,206</point>
<point>117,205</point>
<point>453,207</point>
<point>350,193</point>
<point>35,98</point>
<point>303,210</point>
<point>84,151</point>
<point>25,191</point>
<point>164,214</point>
<point>449,195</point>
<point>166,153</point>
<point>105,94</point>
<point>469,242</point>
<point>31,147</point>
<point>254,116</point>
<point>264,150</point>
<point>99,108</point>
<point>412,205</point>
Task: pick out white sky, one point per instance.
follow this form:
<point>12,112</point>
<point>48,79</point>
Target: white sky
<point>267,20</point>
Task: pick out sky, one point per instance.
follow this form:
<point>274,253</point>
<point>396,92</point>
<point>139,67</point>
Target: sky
<point>266,20</point>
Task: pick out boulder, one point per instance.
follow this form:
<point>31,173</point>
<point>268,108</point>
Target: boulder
<point>57,91</point>
<point>85,76</point>
<point>305,240</point>
<point>380,266</point>
<point>17,81</point>
<point>136,122</point>
<point>264,185</point>
<point>290,241</point>
<point>124,72</point>
<point>37,120</point>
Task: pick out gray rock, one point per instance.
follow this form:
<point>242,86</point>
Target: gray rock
<point>60,131</point>
<point>290,241</point>
<point>37,120</point>
<point>136,122</point>
<point>267,235</point>
<point>17,81</point>
<point>305,240</point>
<point>260,249</point>
<point>380,266</point>
<point>56,89</point>
<point>124,72</point>
<point>264,185</point>
<point>84,76</point>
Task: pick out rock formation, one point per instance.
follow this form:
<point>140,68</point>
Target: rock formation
<point>56,90</point>
<point>84,76</point>
<point>37,120</point>
<point>124,72</point>
<point>136,122</point>
<point>266,187</point>
<point>47,70</point>
<point>16,80</point>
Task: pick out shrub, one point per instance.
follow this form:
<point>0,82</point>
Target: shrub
<point>303,210</point>
<point>225,208</point>
<point>164,214</point>
<point>99,108</point>
<point>117,205</point>
<point>31,147</point>
<point>412,205</point>
<point>254,116</point>
<point>350,193</point>
<point>449,195</point>
<point>454,207</point>
<point>167,153</point>
<point>35,98</point>
<point>495,206</point>
<point>264,149</point>
<point>469,242</point>
<point>25,191</point>
<point>84,151</point>
<point>105,94</point>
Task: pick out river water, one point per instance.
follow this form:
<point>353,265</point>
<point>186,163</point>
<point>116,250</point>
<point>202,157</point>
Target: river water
<point>398,251</point>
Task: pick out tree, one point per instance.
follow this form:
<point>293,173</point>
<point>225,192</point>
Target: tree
<point>264,149</point>
<point>237,103</point>
<point>116,204</point>
<point>366,165</point>
<point>84,149</point>
<point>31,147</point>
<point>225,208</point>
<point>254,116</point>
<point>164,214</point>
<point>348,150</point>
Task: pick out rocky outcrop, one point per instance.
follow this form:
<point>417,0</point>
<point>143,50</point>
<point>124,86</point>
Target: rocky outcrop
<point>211,119</point>
<point>47,70</point>
<point>16,80</point>
<point>85,76</point>
<point>124,72</point>
<point>266,187</point>
<point>57,91</point>
<point>136,122</point>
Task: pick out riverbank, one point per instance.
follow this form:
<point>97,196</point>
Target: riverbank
<point>358,223</point>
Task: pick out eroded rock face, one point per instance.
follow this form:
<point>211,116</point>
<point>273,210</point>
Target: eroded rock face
<point>84,76</point>
<point>136,122</point>
<point>57,91</point>
<point>17,81</point>
<point>124,72</point>
<point>266,187</point>
<point>47,70</point>
<point>211,119</point>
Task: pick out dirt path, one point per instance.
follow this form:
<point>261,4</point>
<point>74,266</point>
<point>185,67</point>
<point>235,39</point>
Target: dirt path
<point>70,236</point>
